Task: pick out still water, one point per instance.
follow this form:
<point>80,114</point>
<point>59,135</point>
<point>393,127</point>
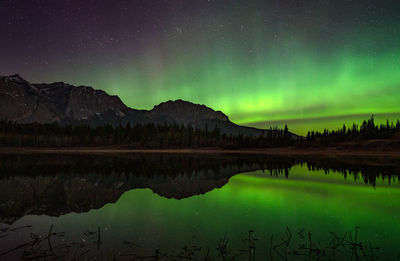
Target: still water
<point>183,207</point>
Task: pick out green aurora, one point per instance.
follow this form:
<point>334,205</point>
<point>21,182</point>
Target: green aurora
<point>271,86</point>
<point>314,65</point>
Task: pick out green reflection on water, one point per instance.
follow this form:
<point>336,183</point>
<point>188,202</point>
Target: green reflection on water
<point>312,200</point>
<point>318,202</point>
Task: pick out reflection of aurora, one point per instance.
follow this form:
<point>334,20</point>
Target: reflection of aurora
<point>68,183</point>
<point>256,200</point>
<point>312,200</point>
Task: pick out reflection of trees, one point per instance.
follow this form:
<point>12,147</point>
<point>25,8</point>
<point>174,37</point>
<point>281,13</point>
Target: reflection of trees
<point>173,165</point>
<point>368,172</point>
<point>149,165</point>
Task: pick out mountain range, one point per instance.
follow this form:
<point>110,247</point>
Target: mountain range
<point>23,102</point>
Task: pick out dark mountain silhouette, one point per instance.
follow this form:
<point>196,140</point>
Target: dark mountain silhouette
<point>23,102</point>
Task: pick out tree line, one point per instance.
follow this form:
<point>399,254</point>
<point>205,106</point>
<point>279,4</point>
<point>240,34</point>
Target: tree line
<point>124,166</point>
<point>367,131</point>
<point>164,136</point>
<point>137,136</point>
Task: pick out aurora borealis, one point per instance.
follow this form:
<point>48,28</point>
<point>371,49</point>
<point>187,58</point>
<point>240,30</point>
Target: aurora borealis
<point>311,64</point>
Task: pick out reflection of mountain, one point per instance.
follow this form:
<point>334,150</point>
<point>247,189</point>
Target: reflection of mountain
<point>61,194</point>
<point>59,184</point>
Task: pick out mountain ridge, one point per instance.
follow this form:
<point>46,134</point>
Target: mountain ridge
<point>61,102</point>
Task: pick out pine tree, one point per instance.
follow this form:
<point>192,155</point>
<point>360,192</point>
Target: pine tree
<point>286,130</point>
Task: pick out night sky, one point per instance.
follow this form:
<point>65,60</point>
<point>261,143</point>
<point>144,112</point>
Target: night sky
<point>312,64</point>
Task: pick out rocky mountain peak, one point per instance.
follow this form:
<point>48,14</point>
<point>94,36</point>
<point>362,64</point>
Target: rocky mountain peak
<point>25,102</point>
<point>15,78</point>
<point>186,112</point>
<point>15,83</point>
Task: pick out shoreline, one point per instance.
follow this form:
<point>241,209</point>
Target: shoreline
<point>288,151</point>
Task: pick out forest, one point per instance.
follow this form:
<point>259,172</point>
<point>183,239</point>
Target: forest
<point>164,136</point>
<point>367,131</point>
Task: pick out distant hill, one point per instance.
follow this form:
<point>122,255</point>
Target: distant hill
<point>23,102</point>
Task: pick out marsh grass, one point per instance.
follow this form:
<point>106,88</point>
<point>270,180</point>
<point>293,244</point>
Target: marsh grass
<point>290,245</point>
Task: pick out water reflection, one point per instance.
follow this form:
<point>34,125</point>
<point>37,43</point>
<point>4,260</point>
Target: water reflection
<point>161,201</point>
<point>59,184</point>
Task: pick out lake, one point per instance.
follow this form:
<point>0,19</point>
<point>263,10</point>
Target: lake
<point>198,207</point>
